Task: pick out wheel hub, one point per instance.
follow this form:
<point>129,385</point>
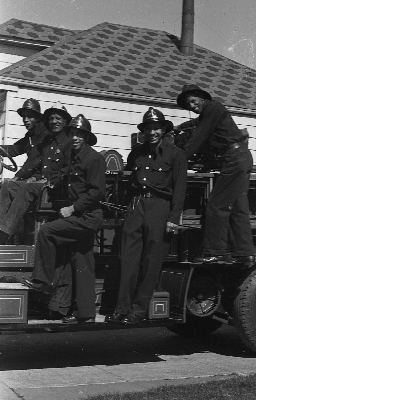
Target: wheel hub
<point>204,297</point>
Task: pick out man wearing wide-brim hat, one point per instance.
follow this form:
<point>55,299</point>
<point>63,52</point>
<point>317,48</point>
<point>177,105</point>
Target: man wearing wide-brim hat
<point>227,224</point>
<point>158,188</point>
<point>50,166</point>
<point>73,234</point>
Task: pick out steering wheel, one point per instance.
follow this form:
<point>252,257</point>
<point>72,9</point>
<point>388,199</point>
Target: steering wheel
<point>12,167</point>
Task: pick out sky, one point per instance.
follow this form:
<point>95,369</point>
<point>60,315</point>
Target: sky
<point>227,27</point>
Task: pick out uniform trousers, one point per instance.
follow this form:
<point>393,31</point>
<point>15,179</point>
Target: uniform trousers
<point>15,199</point>
<point>64,250</point>
<point>145,245</point>
<point>227,224</point>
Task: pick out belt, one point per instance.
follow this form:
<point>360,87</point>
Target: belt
<point>148,195</point>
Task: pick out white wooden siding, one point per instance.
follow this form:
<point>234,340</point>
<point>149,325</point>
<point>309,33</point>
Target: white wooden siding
<point>112,121</point>
<point>8,59</point>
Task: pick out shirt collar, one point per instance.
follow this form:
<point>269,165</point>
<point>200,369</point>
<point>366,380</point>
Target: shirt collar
<point>84,152</point>
<point>159,149</point>
<point>61,138</point>
<point>34,130</point>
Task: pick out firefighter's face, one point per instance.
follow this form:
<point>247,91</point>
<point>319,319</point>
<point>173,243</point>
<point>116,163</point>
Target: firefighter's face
<point>30,120</point>
<point>56,123</point>
<point>154,132</point>
<point>195,104</point>
<point>78,138</point>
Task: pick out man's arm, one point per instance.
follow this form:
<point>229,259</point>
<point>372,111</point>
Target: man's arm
<point>179,181</point>
<point>130,160</point>
<point>188,124</point>
<point>18,148</point>
<point>208,121</point>
<point>33,147</point>
<point>31,167</point>
<point>95,183</point>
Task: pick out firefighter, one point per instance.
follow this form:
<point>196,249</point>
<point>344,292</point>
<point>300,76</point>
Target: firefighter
<point>227,235</point>
<point>158,188</point>
<point>32,119</point>
<point>50,163</point>
<point>67,243</point>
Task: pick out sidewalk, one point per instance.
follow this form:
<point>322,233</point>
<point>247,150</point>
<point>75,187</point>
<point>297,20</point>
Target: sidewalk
<point>83,391</point>
<point>165,368</point>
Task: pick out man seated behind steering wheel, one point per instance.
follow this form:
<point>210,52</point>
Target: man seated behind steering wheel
<point>32,119</point>
<point>17,196</point>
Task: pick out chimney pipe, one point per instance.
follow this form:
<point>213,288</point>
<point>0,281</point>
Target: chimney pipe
<point>186,46</point>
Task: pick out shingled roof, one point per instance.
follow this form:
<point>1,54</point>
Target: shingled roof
<point>17,29</point>
<point>137,61</point>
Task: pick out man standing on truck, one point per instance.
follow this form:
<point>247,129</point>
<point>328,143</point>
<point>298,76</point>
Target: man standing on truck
<point>67,243</point>
<point>227,215</point>
<point>48,163</point>
<point>158,188</point>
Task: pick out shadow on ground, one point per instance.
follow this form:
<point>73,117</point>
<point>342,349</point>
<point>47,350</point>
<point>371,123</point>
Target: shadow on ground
<point>127,346</point>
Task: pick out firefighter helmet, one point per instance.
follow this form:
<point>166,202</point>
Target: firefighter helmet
<point>59,109</point>
<point>154,115</point>
<point>31,106</point>
<point>81,123</point>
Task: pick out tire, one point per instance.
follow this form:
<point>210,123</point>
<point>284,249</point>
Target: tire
<point>195,326</point>
<point>244,311</point>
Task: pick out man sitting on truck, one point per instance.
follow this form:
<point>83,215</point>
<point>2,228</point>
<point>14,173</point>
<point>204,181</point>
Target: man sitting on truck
<point>158,188</point>
<point>36,133</point>
<point>67,243</point>
<point>17,196</point>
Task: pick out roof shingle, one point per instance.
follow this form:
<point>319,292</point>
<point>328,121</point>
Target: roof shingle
<point>15,28</point>
<point>123,59</point>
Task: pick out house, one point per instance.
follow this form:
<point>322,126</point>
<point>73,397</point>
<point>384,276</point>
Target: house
<point>112,74</point>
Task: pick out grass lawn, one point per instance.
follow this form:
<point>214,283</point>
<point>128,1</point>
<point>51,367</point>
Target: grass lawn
<point>233,388</point>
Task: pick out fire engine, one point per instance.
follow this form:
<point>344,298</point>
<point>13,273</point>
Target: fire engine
<point>191,299</point>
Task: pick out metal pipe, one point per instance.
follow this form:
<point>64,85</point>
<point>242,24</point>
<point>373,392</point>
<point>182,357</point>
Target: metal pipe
<point>114,206</point>
<point>186,45</point>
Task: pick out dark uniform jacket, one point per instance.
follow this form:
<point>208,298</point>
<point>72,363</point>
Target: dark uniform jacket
<point>86,180</point>
<point>215,127</point>
<point>55,153</point>
<point>162,172</point>
<point>28,145</point>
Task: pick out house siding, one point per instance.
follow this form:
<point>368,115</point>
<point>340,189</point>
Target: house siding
<point>8,59</point>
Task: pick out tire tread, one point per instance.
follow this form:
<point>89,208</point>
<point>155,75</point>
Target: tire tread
<point>243,311</point>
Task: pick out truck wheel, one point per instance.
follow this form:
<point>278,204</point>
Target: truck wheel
<point>195,326</point>
<point>244,311</point>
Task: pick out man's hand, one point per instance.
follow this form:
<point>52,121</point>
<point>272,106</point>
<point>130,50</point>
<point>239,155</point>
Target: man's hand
<point>171,227</point>
<point>67,211</point>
